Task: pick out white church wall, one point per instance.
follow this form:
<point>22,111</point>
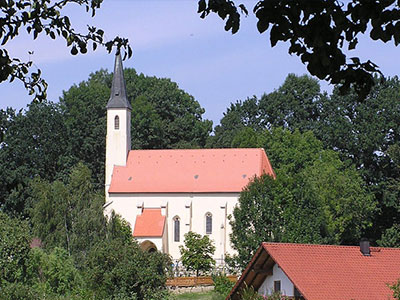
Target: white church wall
<point>158,242</point>
<point>191,210</point>
<point>118,141</point>
<point>267,287</point>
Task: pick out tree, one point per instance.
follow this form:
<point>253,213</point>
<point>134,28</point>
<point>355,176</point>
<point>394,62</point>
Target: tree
<point>33,144</point>
<point>363,133</point>
<point>69,216</point>
<point>163,116</point>
<point>315,198</point>
<point>294,105</point>
<point>196,254</point>
<point>318,31</point>
<point>46,17</point>
<point>14,249</point>
<point>89,251</point>
<point>117,269</point>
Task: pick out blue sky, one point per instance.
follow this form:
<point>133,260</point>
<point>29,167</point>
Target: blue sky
<point>170,40</point>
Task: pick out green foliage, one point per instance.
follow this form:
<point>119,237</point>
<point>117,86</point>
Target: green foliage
<point>33,144</point>
<point>46,17</point>
<point>163,116</point>
<point>90,256</point>
<point>390,237</point>
<point>54,273</point>
<point>17,291</point>
<point>14,249</point>
<point>68,216</point>
<point>318,31</point>
<point>294,105</point>
<point>315,198</point>
<point>395,287</point>
<point>248,293</point>
<point>364,134</point>
<point>197,252</point>
<point>222,284</point>
<point>117,269</point>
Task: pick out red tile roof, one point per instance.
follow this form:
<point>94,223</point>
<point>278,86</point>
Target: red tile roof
<point>150,223</point>
<point>335,272</point>
<point>197,170</point>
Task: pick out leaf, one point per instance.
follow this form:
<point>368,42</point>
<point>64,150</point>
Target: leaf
<point>262,25</point>
<point>243,9</point>
<point>355,60</point>
<point>74,50</point>
<point>353,43</point>
<point>201,6</point>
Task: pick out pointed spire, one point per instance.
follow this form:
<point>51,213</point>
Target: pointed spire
<point>118,98</point>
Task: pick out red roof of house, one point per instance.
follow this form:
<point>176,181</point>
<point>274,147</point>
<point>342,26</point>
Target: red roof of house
<point>334,272</point>
<point>150,223</point>
<point>192,171</point>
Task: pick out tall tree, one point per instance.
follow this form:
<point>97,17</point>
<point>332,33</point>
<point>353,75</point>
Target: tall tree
<point>362,133</point>
<point>294,105</point>
<point>70,215</point>
<point>33,143</point>
<point>163,116</point>
<point>315,198</point>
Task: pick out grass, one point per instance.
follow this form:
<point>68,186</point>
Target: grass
<point>210,295</point>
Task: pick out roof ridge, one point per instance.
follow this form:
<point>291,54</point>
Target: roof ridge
<point>326,245</point>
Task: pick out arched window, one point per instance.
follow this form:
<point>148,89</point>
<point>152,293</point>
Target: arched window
<point>116,123</point>
<point>208,223</point>
<point>176,229</point>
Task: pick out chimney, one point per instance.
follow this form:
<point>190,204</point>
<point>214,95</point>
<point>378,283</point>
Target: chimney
<point>364,247</point>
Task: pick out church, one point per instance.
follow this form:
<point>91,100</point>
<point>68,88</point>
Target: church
<point>164,194</point>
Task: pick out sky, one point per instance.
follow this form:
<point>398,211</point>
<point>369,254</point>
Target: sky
<point>170,40</point>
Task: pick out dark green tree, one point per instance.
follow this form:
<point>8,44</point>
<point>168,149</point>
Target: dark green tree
<point>197,252</point>
<point>33,144</point>
<point>69,216</point>
<point>315,198</point>
<point>163,116</point>
<point>15,239</point>
<point>294,105</point>
<point>362,134</point>
<point>118,269</point>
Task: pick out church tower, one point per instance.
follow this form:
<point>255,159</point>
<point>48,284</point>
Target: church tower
<point>118,140</point>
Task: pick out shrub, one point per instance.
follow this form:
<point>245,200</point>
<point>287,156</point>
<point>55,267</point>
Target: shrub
<point>222,284</point>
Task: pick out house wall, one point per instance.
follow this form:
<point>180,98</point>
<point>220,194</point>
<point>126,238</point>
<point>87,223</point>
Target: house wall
<point>190,208</point>
<point>267,288</point>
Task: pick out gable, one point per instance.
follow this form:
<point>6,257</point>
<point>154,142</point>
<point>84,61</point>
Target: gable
<point>189,170</point>
<point>325,271</point>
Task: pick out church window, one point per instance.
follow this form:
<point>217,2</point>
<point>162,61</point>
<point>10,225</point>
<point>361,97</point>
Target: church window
<point>176,229</point>
<point>116,123</point>
<point>208,223</point>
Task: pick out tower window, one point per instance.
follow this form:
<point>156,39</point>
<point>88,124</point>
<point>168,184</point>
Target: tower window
<point>208,223</point>
<point>176,229</point>
<point>116,123</point>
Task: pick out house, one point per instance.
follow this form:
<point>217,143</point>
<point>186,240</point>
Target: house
<point>316,272</point>
<point>164,194</point>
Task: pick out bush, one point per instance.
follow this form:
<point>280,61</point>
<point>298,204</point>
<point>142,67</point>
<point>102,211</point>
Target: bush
<point>222,284</point>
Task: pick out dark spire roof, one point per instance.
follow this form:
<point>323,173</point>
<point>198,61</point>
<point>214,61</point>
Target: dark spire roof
<point>118,98</point>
